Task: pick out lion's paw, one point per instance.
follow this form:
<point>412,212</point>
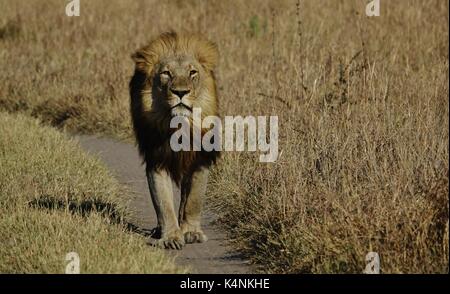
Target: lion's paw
<point>193,234</point>
<point>170,241</point>
<point>195,237</point>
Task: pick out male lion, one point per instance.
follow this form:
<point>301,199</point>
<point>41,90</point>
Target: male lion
<point>174,73</point>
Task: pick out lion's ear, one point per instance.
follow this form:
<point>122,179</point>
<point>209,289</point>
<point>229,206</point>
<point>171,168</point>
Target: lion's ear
<point>141,61</point>
<point>208,55</point>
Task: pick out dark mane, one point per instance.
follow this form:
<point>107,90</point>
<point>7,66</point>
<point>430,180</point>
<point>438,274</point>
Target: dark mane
<point>151,127</point>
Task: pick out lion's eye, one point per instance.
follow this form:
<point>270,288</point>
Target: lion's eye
<point>193,72</point>
<point>165,73</point>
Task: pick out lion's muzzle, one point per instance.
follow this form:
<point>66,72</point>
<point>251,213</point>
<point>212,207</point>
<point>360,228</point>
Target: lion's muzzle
<point>181,109</point>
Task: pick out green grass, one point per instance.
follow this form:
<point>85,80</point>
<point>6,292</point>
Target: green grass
<point>54,199</point>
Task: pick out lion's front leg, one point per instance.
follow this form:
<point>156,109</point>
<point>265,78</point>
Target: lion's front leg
<point>192,193</point>
<point>160,185</point>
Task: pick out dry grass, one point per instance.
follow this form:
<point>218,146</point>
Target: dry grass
<point>362,104</point>
<point>54,200</point>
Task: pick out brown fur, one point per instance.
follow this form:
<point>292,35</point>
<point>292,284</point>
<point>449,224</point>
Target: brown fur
<point>151,122</point>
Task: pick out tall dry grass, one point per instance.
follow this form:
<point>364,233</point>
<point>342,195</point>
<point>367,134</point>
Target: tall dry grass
<point>362,105</point>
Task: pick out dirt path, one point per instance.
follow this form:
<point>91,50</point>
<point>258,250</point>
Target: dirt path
<point>214,256</point>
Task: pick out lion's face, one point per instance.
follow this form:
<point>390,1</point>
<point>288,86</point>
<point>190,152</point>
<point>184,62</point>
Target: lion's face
<point>178,81</point>
<point>174,74</point>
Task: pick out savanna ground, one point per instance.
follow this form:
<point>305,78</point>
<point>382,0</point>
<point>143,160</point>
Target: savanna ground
<point>362,105</point>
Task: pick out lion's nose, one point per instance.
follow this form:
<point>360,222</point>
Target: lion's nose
<point>180,93</point>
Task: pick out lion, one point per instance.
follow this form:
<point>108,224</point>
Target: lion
<point>173,74</point>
